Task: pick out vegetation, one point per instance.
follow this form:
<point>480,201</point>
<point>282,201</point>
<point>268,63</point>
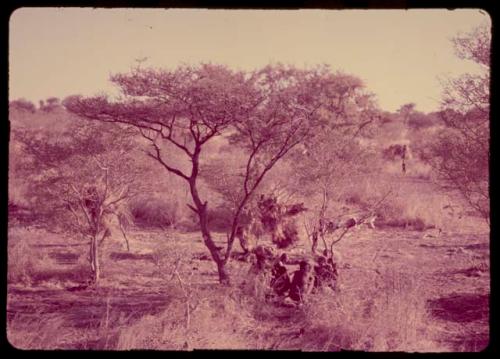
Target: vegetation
<point>120,207</point>
<point>461,153</point>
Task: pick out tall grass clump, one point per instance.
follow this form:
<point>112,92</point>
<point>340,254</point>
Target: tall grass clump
<point>24,261</point>
<point>387,315</point>
<point>21,267</point>
<point>41,332</point>
<point>217,320</point>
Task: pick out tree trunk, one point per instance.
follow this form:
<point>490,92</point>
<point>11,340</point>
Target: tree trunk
<point>244,243</point>
<point>201,210</point>
<point>314,246</point>
<point>94,260</point>
<point>322,222</point>
<point>234,232</point>
<point>207,239</point>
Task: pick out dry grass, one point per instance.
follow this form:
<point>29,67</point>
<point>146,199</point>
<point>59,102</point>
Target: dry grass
<point>388,315</point>
<point>384,311</point>
<point>411,203</point>
<point>409,209</point>
<point>217,320</point>
<point>31,263</point>
<point>24,261</point>
<point>21,263</point>
<point>36,334</point>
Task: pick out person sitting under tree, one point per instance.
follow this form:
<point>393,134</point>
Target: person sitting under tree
<point>302,282</point>
<point>280,282</point>
<point>325,274</point>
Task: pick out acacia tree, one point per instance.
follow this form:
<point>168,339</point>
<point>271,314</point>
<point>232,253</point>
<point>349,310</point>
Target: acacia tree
<point>266,112</point>
<point>80,181</point>
<point>460,155</point>
<point>179,110</point>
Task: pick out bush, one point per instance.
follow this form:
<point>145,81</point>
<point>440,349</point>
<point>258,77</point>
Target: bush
<point>420,120</point>
<point>23,105</point>
<point>220,219</point>
<point>412,209</point>
<point>152,212</point>
<point>188,225</point>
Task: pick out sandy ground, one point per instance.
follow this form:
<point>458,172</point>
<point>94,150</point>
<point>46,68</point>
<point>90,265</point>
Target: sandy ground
<point>449,274</point>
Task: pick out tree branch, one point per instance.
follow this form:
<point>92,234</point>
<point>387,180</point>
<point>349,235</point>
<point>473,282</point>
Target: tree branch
<point>157,157</point>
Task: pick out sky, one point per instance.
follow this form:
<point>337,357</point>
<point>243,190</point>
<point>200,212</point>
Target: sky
<point>400,55</point>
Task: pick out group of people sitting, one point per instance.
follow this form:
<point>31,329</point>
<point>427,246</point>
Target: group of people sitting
<point>313,274</point>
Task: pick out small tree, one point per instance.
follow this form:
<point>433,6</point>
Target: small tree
<point>81,180</point>
<point>327,163</point>
<point>406,111</point>
<point>460,155</point>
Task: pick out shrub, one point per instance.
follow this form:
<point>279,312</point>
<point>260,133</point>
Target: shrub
<point>23,105</point>
<point>420,120</point>
<point>189,224</point>
<point>414,210</point>
<point>220,219</point>
<point>152,212</point>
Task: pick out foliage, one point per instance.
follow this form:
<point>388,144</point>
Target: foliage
<point>419,120</point>
<point>22,105</point>
<point>151,212</point>
<point>179,110</point>
<point>460,155</point>
<point>49,104</point>
<point>266,112</point>
<point>325,164</point>
<point>65,168</point>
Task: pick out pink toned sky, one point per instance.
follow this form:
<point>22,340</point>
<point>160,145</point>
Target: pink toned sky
<point>399,54</point>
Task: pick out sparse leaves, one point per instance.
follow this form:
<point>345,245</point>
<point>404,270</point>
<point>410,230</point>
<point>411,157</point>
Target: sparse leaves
<point>266,113</point>
<point>460,154</point>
